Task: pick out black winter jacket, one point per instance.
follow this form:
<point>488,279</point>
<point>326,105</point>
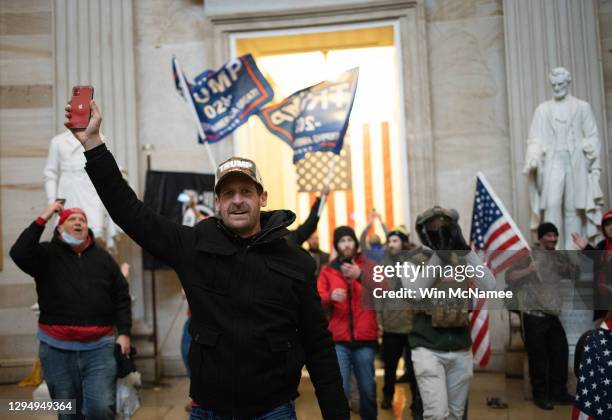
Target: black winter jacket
<point>86,289</point>
<point>256,314</point>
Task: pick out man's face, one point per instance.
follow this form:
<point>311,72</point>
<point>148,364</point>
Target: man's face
<point>394,244</point>
<point>560,87</point>
<point>239,202</point>
<point>436,223</point>
<point>75,225</point>
<point>549,241</point>
<point>313,242</point>
<point>607,228</point>
<point>347,248</point>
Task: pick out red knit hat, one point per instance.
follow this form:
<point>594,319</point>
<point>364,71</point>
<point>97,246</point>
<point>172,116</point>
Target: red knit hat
<point>69,212</point>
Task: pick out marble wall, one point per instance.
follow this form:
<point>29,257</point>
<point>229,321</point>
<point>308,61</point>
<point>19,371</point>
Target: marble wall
<point>469,113</point>
<point>468,100</point>
<point>26,126</point>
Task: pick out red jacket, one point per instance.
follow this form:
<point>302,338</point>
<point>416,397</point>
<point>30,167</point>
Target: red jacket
<point>357,321</point>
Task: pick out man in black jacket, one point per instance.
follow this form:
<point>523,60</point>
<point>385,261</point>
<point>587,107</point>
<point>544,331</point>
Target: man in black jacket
<point>256,314</point>
<point>84,300</point>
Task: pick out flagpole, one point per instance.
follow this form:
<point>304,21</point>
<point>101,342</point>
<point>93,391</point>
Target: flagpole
<point>188,97</point>
<point>330,171</point>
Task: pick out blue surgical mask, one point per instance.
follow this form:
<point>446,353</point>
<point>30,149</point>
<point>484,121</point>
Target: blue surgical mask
<point>71,240</point>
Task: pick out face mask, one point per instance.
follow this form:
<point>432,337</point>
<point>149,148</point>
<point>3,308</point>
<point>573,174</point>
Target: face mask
<point>71,240</point>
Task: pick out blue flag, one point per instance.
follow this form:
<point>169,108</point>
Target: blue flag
<point>223,100</point>
<point>314,119</point>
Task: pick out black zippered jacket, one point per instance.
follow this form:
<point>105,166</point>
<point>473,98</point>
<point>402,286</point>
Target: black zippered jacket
<point>84,289</point>
<point>256,314</point>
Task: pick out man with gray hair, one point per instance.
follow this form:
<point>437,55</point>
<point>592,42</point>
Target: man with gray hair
<point>563,163</point>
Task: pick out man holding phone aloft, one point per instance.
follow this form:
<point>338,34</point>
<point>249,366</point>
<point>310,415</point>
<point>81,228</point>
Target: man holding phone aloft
<point>256,315</point>
<point>345,287</point>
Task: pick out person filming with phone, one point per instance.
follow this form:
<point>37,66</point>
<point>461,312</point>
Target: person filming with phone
<point>256,315</point>
<point>85,308</point>
<point>345,286</point>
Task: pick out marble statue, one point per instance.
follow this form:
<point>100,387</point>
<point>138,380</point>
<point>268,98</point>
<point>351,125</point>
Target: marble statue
<point>65,177</point>
<point>563,163</point>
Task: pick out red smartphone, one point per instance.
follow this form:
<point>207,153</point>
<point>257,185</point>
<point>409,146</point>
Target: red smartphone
<point>79,106</point>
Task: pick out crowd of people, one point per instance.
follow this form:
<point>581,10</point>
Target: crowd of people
<point>262,307</point>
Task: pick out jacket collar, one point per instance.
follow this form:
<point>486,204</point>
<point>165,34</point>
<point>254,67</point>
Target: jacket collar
<point>216,238</point>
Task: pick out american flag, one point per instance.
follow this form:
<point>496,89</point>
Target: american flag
<point>367,176</point>
<point>594,388</point>
<point>495,235</point>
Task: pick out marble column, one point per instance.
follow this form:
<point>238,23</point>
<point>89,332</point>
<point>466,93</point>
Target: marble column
<point>93,45</point>
<point>541,35</point>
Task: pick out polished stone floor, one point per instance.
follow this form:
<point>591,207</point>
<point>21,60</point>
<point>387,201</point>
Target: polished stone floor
<point>168,401</point>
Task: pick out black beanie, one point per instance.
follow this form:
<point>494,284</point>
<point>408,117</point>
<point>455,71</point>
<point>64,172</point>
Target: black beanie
<point>342,231</point>
<point>403,237</point>
<point>545,228</point>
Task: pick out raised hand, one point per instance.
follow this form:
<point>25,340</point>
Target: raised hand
<point>52,208</point>
<point>89,137</point>
<point>579,241</point>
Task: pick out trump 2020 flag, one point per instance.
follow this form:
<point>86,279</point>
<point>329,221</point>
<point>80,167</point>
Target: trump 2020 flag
<point>314,119</point>
<point>223,100</point>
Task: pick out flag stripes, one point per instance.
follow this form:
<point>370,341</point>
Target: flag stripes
<point>386,157</point>
<point>373,181</point>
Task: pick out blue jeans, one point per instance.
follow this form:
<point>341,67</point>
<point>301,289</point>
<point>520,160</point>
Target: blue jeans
<point>361,361</point>
<point>185,344</point>
<point>89,377</point>
<point>282,412</point>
